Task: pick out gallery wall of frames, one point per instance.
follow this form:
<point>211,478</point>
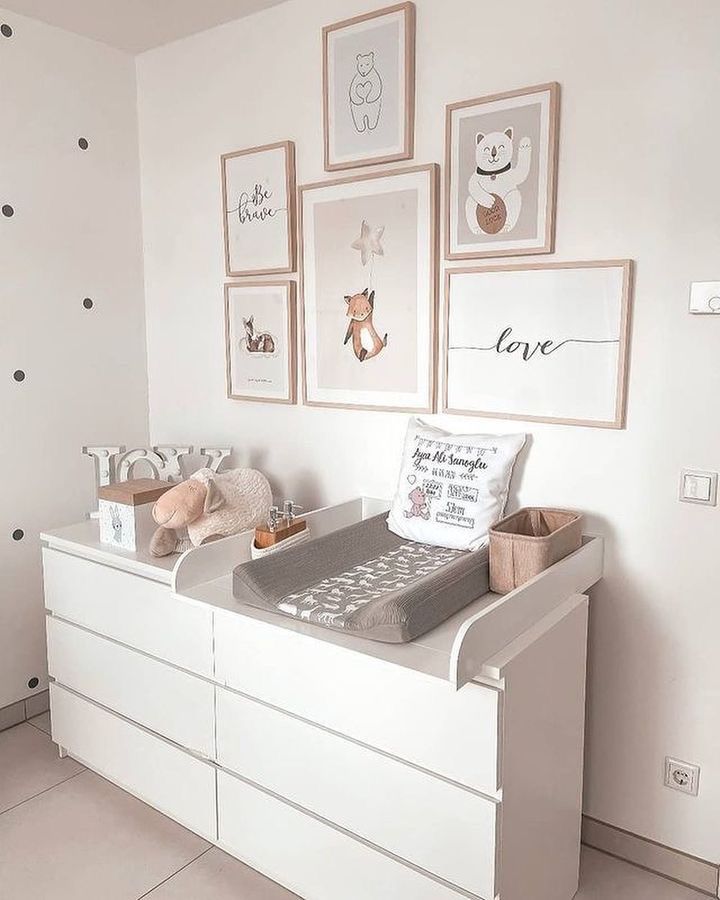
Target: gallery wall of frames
<point>538,341</point>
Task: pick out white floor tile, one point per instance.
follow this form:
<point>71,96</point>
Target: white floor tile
<point>86,839</point>
<point>42,722</point>
<point>29,764</point>
<point>604,878</point>
<point>220,877</point>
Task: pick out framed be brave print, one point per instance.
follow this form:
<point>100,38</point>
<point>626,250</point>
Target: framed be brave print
<point>258,190</point>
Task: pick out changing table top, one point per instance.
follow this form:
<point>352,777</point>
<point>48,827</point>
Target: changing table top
<point>458,650</point>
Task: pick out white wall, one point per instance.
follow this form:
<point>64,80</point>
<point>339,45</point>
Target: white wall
<point>75,234</point>
<point>637,179</point>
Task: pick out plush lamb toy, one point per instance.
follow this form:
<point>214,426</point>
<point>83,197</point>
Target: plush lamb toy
<point>210,505</point>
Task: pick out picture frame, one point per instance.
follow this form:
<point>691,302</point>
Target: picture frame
<point>501,154</point>
<point>260,341</point>
<point>259,210</point>
<point>368,74</point>
<point>539,342</point>
<point>362,237</point>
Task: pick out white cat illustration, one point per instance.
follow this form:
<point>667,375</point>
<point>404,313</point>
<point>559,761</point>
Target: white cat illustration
<point>366,93</point>
<point>494,183</point>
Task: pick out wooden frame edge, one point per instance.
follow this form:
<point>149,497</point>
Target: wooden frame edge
<point>554,90</point>
<point>408,149</point>
<point>621,383</point>
<point>433,171</point>
<point>290,286</point>
<point>291,193</point>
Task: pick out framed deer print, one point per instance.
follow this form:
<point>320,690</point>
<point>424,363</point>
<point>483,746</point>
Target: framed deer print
<point>500,170</point>
<point>369,88</point>
<point>258,193</point>
<point>260,341</point>
<point>543,342</point>
<point>369,278</point>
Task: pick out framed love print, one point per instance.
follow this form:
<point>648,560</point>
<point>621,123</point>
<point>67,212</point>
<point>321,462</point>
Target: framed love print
<point>500,170</point>
<point>260,341</point>
<point>545,343</point>
<point>369,88</point>
<point>369,279</point>
<point>258,193</point>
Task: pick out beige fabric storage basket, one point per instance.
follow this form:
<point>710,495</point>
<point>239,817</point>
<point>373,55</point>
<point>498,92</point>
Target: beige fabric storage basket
<point>528,541</point>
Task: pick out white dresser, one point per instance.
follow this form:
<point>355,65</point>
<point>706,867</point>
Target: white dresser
<point>342,768</point>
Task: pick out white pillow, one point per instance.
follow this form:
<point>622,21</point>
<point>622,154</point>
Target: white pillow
<point>452,487</point>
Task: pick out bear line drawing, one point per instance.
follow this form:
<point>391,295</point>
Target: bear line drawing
<point>365,93</point>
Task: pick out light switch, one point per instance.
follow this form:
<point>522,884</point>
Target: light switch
<point>699,487</point>
<point>705,297</point>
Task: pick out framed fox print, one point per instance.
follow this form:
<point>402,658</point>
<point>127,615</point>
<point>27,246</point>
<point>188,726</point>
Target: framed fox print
<point>260,341</point>
<point>500,170</point>
<point>258,193</point>
<point>545,342</point>
<point>369,88</point>
<point>369,279</point>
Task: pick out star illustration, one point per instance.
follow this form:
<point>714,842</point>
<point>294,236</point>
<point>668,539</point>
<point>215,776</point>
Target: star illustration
<point>369,242</point>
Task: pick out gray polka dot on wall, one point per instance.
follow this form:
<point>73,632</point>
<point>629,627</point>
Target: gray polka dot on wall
<point>83,143</point>
<point>6,30</point>
<point>19,375</point>
<point>7,210</point>
<point>88,303</point>
<point>18,534</point>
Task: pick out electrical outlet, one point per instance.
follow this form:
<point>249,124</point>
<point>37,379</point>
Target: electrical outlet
<point>682,776</point>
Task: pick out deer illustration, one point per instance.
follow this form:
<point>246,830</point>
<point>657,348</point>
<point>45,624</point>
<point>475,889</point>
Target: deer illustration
<point>261,342</point>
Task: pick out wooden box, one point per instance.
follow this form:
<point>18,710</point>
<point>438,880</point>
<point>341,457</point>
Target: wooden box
<point>126,519</point>
<point>529,541</point>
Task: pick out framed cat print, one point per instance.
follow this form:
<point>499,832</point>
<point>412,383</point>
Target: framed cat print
<point>500,171</point>
<point>258,194</point>
<point>369,88</point>
<point>260,341</point>
<point>543,342</point>
<point>369,290</point>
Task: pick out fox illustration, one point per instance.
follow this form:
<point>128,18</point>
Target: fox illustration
<point>366,341</point>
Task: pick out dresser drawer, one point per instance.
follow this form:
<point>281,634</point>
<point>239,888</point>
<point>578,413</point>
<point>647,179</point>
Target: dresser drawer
<point>129,608</point>
<point>179,785</point>
<point>442,828</point>
<point>411,715</point>
<point>309,857</point>
<point>170,702</point>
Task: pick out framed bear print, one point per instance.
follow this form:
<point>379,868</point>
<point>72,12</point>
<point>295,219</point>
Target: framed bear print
<point>260,341</point>
<point>258,193</point>
<point>369,290</point>
<point>369,88</point>
<point>501,173</point>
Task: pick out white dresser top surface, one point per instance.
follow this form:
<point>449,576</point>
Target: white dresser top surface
<point>459,649</point>
<point>83,539</point>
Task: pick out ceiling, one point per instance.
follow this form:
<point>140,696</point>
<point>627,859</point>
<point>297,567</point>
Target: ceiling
<point>136,25</point>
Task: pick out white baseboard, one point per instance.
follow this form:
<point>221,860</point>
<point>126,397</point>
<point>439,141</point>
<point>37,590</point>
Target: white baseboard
<point>657,858</point>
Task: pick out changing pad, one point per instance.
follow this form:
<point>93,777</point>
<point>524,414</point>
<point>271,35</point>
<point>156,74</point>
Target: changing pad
<point>365,580</point>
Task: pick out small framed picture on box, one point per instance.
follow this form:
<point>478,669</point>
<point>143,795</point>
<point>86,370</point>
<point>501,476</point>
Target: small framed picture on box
<point>125,510</point>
